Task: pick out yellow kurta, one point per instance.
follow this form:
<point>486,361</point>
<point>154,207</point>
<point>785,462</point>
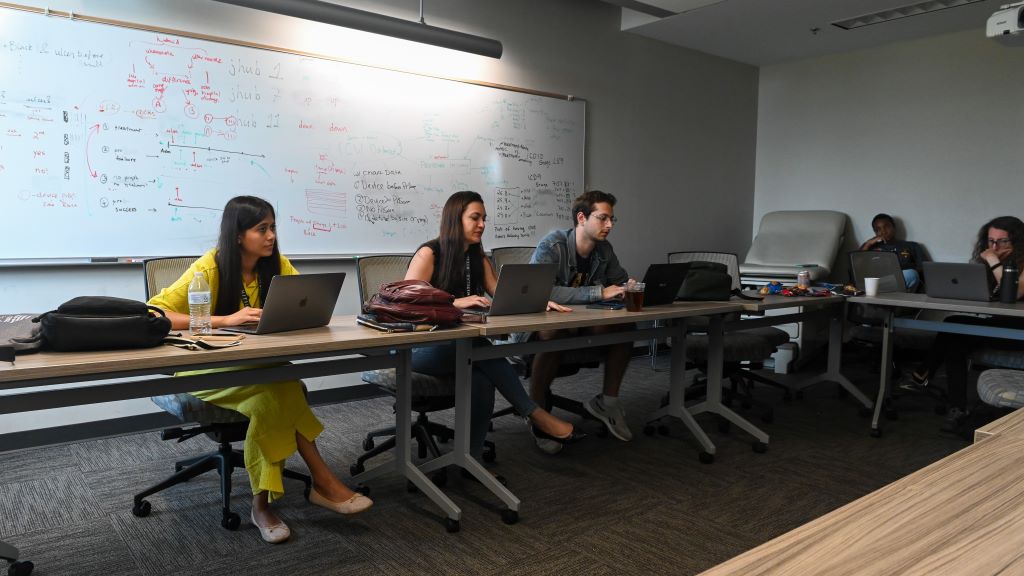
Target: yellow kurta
<point>276,411</point>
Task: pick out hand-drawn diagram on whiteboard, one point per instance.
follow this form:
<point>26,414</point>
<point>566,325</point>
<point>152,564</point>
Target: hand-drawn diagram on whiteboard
<point>121,142</point>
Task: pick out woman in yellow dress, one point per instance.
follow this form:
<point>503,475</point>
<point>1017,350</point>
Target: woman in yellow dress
<point>280,420</point>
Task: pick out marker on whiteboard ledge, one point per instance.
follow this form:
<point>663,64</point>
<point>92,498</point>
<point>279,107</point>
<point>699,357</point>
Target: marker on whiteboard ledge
<point>103,260</point>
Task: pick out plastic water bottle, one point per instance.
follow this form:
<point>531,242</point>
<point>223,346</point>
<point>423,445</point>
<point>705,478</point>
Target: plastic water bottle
<point>199,321</point>
<point>1008,285</point>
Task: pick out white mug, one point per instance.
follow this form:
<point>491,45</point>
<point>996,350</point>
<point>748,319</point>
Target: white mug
<point>871,286</point>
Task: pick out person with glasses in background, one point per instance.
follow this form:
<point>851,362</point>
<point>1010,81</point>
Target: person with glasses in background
<point>1000,241</point>
<point>587,271</point>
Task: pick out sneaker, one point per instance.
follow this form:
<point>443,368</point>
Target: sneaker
<point>549,446</point>
<point>955,419</point>
<point>613,418</point>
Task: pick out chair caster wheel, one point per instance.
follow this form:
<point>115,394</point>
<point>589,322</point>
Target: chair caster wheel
<point>368,444</point>
<point>891,414</point>
<point>509,516</point>
<point>864,412</point>
<point>23,568</point>
<point>650,430</point>
<point>363,489</point>
<point>357,468</point>
<point>440,478</point>
<point>451,525</point>
<point>724,426</point>
<point>706,457</point>
<point>489,455</point>
<point>760,447</point>
<point>232,521</point>
<point>876,432</point>
<point>142,509</point>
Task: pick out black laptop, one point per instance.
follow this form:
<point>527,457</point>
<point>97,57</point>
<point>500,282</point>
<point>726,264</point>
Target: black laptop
<point>662,283</point>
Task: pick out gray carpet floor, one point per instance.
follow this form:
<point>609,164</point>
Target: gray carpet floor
<point>601,507</point>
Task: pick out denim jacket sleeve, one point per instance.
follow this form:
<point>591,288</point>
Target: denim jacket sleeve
<point>552,251</point>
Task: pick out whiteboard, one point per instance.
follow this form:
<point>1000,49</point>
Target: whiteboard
<point>120,142</point>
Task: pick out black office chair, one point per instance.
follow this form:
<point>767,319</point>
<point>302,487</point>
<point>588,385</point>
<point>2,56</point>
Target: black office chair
<point>221,425</point>
<point>571,360</point>
<point>9,554</point>
<point>744,350</point>
<point>429,393</point>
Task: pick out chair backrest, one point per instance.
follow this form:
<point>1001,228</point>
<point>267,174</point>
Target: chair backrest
<point>798,237</point>
<point>372,271</point>
<point>874,264</point>
<point>511,255</point>
<point>162,272</point>
<point>731,261</point>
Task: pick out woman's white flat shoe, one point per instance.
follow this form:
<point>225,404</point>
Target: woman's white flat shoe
<point>354,505</point>
<point>273,534</point>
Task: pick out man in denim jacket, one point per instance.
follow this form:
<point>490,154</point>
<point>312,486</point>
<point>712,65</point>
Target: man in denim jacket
<point>587,271</point>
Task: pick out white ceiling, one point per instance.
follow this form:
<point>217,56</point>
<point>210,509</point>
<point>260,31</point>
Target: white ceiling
<point>762,32</point>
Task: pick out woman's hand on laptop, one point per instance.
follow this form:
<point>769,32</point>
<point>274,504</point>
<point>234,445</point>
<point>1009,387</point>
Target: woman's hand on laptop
<point>472,302</point>
<point>556,307</point>
<point>247,315</point>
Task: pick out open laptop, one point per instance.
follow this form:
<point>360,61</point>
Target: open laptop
<point>521,289</point>
<point>957,281</point>
<point>295,302</point>
<point>662,283</point>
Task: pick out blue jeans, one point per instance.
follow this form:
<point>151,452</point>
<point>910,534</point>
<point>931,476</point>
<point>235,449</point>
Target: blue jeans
<point>488,376</point>
<point>911,279</point>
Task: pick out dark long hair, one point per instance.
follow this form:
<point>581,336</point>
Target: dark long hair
<point>240,214</point>
<point>450,271</point>
<point>1014,227</point>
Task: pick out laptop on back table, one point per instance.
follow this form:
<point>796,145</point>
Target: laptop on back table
<point>296,302</point>
<point>957,281</point>
<point>663,281</point>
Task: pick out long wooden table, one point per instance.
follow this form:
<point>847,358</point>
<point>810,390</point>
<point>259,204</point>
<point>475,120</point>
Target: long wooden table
<point>963,515</point>
<point>893,301</point>
<point>96,377</point>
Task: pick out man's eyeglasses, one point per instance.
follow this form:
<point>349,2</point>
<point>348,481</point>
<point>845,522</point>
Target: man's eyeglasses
<point>999,241</point>
<point>602,218</point>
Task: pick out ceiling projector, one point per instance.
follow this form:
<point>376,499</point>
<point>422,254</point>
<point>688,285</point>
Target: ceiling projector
<point>1007,24</point>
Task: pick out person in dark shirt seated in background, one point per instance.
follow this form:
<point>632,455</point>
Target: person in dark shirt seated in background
<point>910,253</point>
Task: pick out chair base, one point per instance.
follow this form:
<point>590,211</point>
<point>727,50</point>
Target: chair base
<point>224,461</point>
<point>424,431</point>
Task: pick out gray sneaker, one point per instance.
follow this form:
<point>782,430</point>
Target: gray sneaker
<point>613,418</point>
<point>549,446</point>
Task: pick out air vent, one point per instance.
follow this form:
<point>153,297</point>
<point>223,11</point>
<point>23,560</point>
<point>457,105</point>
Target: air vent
<point>900,12</point>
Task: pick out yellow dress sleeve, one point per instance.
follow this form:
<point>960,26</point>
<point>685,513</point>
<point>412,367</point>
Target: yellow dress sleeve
<point>175,297</point>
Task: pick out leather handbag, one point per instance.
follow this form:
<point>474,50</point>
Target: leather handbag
<point>102,323</point>
<point>413,302</point>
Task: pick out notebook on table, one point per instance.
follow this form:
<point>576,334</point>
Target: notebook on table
<point>957,281</point>
<point>663,281</point>
<point>296,302</point>
<point>521,289</point>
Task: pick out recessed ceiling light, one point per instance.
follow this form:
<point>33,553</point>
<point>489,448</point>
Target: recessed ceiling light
<point>900,12</point>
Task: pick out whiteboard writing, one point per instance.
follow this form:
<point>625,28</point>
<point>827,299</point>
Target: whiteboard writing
<point>120,142</point>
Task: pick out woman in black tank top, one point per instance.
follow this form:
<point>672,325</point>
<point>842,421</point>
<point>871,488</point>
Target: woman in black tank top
<point>455,263</point>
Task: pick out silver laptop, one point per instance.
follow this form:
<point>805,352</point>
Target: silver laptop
<point>295,302</point>
<point>522,289</point>
<point>957,281</point>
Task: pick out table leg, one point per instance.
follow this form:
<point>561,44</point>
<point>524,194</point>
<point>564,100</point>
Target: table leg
<point>885,373</point>
<point>713,402</point>
<point>833,372</point>
<point>403,444</point>
<point>676,407</point>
